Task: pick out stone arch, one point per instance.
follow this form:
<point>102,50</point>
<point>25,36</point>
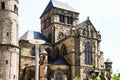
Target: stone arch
<point>91,51</point>
<point>92,43</point>
<point>63,50</point>
<point>57,52</point>
<point>49,51</point>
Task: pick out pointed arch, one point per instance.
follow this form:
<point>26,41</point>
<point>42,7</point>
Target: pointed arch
<point>88,53</point>
<point>57,55</point>
<point>92,44</point>
<point>63,50</point>
<point>49,51</point>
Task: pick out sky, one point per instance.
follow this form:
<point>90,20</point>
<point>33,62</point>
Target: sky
<point>104,14</point>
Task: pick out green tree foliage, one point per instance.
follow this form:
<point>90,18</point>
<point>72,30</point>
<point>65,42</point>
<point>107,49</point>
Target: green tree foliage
<point>76,78</point>
<point>116,76</point>
<point>97,78</point>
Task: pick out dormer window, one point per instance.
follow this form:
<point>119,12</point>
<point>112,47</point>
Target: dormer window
<point>62,18</point>
<point>2,5</point>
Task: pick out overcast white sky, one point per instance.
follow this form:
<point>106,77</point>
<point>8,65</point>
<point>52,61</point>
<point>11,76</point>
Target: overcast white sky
<point>104,14</point>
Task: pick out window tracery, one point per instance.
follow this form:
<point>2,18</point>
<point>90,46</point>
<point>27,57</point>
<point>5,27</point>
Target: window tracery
<point>88,53</point>
<point>58,76</point>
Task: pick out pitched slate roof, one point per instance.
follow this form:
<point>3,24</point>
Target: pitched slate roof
<point>56,4</point>
<point>82,23</point>
<point>86,22</point>
<point>30,35</point>
<point>108,61</point>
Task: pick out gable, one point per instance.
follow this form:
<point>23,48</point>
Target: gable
<point>87,29</point>
<point>85,24</point>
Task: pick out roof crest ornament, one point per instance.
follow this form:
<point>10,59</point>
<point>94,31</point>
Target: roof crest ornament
<point>88,18</point>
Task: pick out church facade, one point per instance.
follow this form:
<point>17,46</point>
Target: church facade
<point>72,49</point>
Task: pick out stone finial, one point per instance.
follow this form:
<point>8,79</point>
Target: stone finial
<point>88,18</point>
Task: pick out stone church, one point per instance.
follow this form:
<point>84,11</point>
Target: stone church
<point>71,49</point>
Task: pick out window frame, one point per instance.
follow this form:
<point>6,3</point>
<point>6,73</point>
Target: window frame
<point>2,6</point>
<point>61,18</point>
<point>69,20</point>
<point>88,53</point>
<point>58,76</point>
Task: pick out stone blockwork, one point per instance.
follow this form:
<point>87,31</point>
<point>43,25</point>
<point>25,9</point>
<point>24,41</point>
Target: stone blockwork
<point>9,62</point>
<point>27,56</point>
<point>9,23</point>
<point>51,24</point>
<point>73,49</point>
<point>9,51</point>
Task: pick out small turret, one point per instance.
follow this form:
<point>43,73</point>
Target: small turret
<point>108,67</point>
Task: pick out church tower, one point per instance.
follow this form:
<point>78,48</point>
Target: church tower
<point>57,19</point>
<point>9,51</point>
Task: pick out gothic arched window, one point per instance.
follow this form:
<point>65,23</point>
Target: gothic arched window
<point>88,53</point>
<point>58,76</point>
<point>63,50</point>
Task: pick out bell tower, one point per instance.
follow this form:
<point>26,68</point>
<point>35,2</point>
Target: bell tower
<point>9,51</point>
<point>57,20</point>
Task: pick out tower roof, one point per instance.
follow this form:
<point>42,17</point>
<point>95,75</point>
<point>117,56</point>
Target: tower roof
<point>56,4</point>
<point>108,61</point>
